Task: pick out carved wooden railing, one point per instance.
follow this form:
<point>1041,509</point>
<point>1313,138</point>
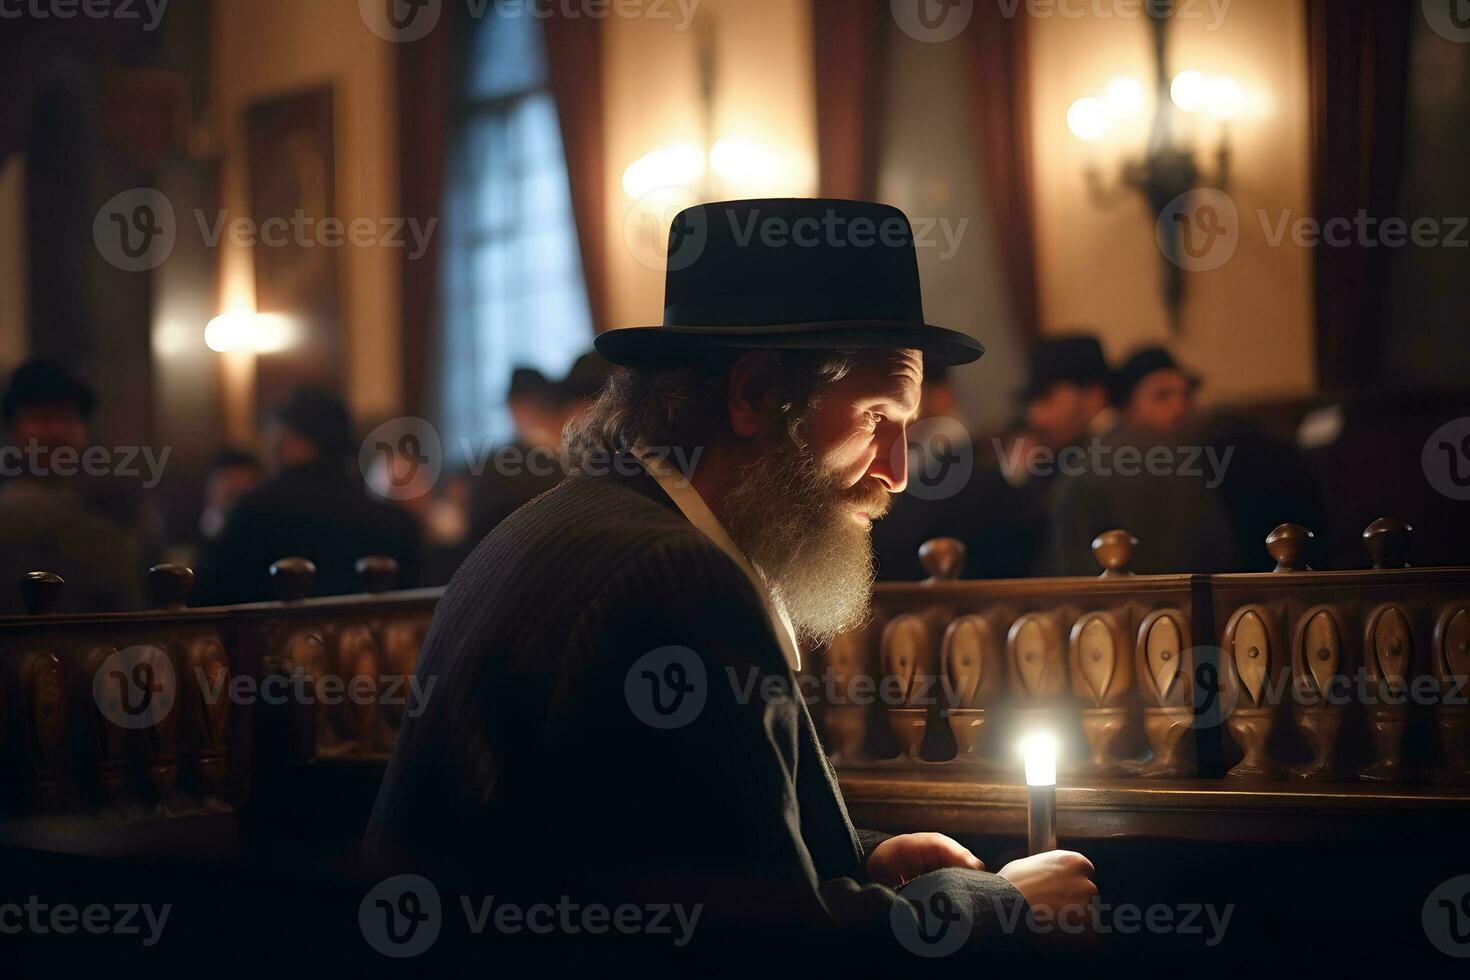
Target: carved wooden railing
<point>1269,694</point>
<point>114,719</point>
<point>1188,705</point>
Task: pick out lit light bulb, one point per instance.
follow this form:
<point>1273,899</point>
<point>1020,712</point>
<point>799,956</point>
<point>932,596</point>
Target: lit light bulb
<point>1190,90</point>
<point>679,165</point>
<point>1088,118</point>
<point>1124,97</point>
<point>1225,98</point>
<point>259,333</point>
<point>1039,750</point>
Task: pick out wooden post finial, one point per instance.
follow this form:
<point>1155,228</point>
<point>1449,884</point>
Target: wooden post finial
<point>1113,550</point>
<point>376,573</point>
<point>1387,540</point>
<point>170,585</point>
<point>1287,544</point>
<point>293,578</point>
<point>41,592</point>
<point>942,558</point>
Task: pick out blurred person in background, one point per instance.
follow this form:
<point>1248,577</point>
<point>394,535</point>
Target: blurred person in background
<point>1150,476</point>
<point>48,519</point>
<point>314,504</point>
<point>232,474</point>
<point>1065,399</point>
<point>1154,395</point>
<point>519,473</point>
<point>1001,528</point>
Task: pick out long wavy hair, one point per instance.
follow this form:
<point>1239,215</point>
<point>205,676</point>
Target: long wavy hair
<point>684,406</point>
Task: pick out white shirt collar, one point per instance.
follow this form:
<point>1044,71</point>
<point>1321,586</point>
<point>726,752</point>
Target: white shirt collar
<point>681,491</point>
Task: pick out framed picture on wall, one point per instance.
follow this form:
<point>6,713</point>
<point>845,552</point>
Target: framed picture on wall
<point>292,183</point>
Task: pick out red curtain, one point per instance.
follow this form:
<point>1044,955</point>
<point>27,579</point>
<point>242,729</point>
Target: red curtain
<point>429,73</point>
<point>574,58</point>
<point>849,68</point>
<point>1000,105</point>
<point>1359,63</point>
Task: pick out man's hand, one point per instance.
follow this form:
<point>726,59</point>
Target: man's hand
<point>905,857</point>
<point>1051,881</point>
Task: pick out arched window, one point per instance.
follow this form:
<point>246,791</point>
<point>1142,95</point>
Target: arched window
<point>512,291</point>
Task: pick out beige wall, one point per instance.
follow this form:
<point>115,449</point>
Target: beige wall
<point>766,96</point>
<point>264,48</point>
<point>1247,324</point>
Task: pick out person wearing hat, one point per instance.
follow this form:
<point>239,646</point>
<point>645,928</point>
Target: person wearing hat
<point>1175,510</point>
<point>1066,396</point>
<point>606,722</point>
<point>1153,393</point>
<point>314,505</point>
<point>49,517</point>
<point>530,465</point>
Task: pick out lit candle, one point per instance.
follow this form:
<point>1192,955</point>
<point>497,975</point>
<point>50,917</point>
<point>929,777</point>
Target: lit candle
<point>1039,750</point>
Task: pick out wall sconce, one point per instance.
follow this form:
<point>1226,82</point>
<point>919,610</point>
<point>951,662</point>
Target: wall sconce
<point>1166,168</point>
<point>711,167</point>
<point>254,333</point>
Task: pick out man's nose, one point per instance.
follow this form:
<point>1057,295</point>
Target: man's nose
<point>891,464</point>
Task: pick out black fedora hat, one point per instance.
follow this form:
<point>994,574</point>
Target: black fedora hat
<point>1141,365</point>
<point>805,274</point>
<point>1076,359</point>
<point>39,382</point>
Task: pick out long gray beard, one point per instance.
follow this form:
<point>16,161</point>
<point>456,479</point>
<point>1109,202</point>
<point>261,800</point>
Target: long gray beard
<point>796,527</point>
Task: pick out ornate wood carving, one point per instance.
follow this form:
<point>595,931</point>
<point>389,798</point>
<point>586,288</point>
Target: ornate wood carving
<point>1251,665</point>
<point>908,666</point>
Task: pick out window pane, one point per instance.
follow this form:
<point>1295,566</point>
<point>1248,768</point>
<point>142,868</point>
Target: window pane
<point>512,292</point>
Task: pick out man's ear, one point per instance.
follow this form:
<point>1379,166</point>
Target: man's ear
<point>751,380</point>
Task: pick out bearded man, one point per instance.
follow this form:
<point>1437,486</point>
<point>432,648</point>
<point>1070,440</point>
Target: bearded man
<point>615,713</point>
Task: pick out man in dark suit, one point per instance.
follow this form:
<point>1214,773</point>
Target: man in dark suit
<point>315,505</point>
<point>616,715</point>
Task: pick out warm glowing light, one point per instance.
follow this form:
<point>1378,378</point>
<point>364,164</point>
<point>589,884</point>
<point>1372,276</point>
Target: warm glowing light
<point>1224,98</point>
<point>1190,90</point>
<point>1039,750</point>
<point>258,333</point>
<point>1088,118</point>
<point>1125,97</point>
<point>673,166</point>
